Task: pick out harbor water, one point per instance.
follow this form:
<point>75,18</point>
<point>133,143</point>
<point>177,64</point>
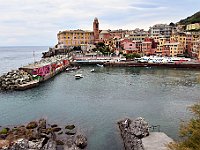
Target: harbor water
<point>97,101</point>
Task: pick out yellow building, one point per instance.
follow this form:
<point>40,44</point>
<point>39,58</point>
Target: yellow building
<point>161,43</point>
<point>75,37</point>
<point>175,48</point>
<point>180,38</point>
<point>194,26</point>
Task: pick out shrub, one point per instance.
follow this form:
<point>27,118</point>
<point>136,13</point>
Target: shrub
<point>189,132</point>
<point>4,131</point>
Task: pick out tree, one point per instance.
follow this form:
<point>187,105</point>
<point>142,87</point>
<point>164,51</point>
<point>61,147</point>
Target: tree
<point>189,132</point>
<point>172,24</point>
<point>103,48</point>
<point>131,56</point>
<point>100,45</point>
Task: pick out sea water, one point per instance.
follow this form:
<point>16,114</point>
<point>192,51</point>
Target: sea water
<point>97,101</point>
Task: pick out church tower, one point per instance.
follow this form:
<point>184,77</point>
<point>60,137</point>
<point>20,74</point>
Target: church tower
<point>96,30</point>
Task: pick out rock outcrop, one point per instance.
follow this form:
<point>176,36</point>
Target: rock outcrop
<point>132,131</point>
<point>38,135</point>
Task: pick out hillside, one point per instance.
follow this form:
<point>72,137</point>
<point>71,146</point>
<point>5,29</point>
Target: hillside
<point>192,19</point>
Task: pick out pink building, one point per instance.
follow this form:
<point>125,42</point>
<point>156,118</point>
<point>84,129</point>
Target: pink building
<point>149,46</point>
<point>128,46</point>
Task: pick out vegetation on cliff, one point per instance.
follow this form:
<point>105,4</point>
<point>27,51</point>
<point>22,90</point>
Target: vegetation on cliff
<point>189,132</point>
<point>192,19</point>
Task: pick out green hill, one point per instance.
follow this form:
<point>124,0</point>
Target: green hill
<point>192,19</point>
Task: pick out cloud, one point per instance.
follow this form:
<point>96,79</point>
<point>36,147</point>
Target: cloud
<point>36,22</point>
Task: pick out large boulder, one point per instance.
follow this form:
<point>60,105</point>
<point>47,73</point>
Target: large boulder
<point>132,131</point>
<point>70,129</point>
<point>139,127</point>
<point>81,141</point>
<point>32,125</point>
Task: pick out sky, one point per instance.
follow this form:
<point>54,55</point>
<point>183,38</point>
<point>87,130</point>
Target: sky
<point>37,22</point>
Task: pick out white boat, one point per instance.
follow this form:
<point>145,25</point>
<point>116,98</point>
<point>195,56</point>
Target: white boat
<point>92,70</point>
<point>99,65</point>
<point>73,68</point>
<point>78,76</point>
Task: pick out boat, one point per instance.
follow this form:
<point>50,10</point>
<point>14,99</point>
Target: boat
<point>78,76</point>
<point>92,70</point>
<point>99,65</point>
<point>73,68</point>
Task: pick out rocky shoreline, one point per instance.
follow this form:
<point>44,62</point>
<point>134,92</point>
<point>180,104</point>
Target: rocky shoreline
<point>40,135</point>
<point>132,132</point>
<point>136,135</point>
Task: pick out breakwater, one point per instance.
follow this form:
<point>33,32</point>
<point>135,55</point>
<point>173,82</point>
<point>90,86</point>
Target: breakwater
<point>31,75</point>
<point>165,65</point>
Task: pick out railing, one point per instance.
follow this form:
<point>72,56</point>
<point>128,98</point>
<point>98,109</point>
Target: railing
<point>154,127</point>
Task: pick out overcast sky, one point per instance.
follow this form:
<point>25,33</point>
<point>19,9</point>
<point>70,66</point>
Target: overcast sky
<point>36,22</point>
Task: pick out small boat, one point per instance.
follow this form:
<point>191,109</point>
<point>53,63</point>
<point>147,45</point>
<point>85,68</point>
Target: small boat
<point>99,65</point>
<point>92,70</point>
<point>78,76</point>
<point>73,68</point>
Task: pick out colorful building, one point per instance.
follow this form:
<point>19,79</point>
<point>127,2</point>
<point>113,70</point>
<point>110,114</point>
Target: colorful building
<point>194,26</point>
<point>161,29</point>
<point>129,47</point>
<point>161,49</point>
<point>77,37</point>
<point>173,49</point>
<point>179,37</point>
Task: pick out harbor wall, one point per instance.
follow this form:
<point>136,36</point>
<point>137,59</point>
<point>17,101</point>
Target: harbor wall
<point>167,65</point>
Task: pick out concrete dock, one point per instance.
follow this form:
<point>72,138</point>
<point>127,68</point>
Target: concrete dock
<point>156,141</point>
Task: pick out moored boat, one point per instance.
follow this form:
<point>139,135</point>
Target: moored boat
<point>99,65</point>
<point>72,68</point>
<point>78,76</point>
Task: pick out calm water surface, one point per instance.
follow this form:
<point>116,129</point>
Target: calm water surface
<point>95,102</point>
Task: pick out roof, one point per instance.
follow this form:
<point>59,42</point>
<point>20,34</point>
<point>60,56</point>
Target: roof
<point>104,32</point>
<point>75,31</point>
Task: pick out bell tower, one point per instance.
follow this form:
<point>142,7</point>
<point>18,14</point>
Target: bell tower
<point>96,30</point>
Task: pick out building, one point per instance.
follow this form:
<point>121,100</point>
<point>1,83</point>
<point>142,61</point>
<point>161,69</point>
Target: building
<point>196,48</point>
<point>161,50</point>
<point>181,38</point>
<point>173,49</point>
<point>194,26</point>
<point>148,47</point>
<point>161,29</point>
<point>75,37</point>
<point>137,35</point>
<point>69,38</point>
<point>128,46</point>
